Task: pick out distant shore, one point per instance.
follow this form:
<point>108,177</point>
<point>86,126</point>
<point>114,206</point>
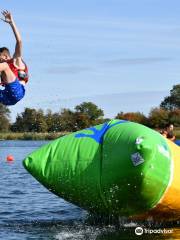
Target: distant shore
<point>177,133</point>
<point>46,136</point>
<point>31,136</point>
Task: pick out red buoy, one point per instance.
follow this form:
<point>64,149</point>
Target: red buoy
<point>10,158</point>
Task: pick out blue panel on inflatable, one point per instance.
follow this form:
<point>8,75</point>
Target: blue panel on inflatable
<point>177,142</point>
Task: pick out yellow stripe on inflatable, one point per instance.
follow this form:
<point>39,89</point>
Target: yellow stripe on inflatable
<point>171,198</point>
<point>168,208</point>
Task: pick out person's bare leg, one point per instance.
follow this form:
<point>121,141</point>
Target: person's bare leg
<point>9,75</point>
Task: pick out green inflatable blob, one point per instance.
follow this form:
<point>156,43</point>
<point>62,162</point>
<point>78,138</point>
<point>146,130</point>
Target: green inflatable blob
<point>119,168</point>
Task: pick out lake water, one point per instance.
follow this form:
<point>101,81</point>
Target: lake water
<point>29,211</point>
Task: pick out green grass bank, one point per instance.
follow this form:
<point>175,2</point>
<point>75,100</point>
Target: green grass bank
<point>46,136</point>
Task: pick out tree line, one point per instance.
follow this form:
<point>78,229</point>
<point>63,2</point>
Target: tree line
<point>87,114</point>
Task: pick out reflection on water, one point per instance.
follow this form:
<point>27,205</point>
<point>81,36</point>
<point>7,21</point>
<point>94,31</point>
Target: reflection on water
<point>79,230</point>
<point>29,211</point>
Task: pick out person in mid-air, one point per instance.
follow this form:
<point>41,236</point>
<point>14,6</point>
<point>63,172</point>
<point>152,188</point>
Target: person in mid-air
<point>13,70</point>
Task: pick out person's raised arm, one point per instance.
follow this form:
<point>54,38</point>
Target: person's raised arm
<point>9,19</point>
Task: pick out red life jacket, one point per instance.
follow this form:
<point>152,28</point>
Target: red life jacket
<point>21,74</point>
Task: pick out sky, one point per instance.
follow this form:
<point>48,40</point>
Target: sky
<point>123,55</point>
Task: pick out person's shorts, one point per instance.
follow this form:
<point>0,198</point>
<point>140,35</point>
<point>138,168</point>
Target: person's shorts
<point>12,93</point>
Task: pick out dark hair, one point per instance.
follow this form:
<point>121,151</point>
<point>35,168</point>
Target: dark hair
<point>168,125</point>
<point>2,49</point>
